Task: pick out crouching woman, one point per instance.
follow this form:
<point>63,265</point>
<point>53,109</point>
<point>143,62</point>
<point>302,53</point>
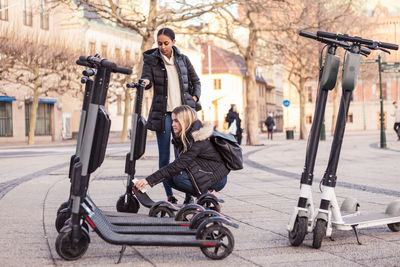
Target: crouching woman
<point>198,167</point>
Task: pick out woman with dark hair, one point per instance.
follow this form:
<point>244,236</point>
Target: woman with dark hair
<point>199,167</point>
<point>175,83</point>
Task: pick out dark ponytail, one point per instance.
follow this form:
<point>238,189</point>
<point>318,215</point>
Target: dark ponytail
<point>168,32</point>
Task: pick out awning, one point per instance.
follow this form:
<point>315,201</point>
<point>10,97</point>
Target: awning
<point>7,98</point>
<point>45,100</point>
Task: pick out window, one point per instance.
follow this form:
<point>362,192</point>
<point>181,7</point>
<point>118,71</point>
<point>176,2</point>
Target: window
<point>43,119</point>
<point>308,119</point>
<point>119,105</point>
<point>384,120</point>
<point>92,48</point>
<point>217,84</point>
<point>104,50</point>
<point>4,9</point>
<point>350,118</point>
<point>5,119</point>
<point>128,55</point>
<point>117,53</point>
<point>384,91</point>
<point>309,94</point>
<point>27,13</point>
<point>44,16</point>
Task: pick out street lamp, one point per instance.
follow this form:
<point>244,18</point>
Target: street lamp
<point>383,67</point>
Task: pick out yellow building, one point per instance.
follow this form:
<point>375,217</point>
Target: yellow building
<point>58,116</point>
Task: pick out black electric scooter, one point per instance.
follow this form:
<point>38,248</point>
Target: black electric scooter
<point>214,239</point>
<point>348,217</point>
<point>129,202</point>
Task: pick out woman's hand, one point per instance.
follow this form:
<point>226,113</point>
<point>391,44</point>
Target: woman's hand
<point>146,82</point>
<point>195,98</point>
<point>141,184</point>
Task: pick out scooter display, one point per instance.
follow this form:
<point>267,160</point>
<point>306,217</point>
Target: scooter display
<point>214,239</point>
<point>131,200</point>
<point>348,217</point>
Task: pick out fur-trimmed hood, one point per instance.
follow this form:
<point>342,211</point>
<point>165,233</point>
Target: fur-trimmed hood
<point>203,133</point>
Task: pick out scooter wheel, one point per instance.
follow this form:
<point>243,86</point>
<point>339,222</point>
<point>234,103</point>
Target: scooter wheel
<point>225,240</point>
<point>69,251</point>
<point>161,211</point>
<point>319,233</point>
<point>297,235</point>
<point>209,204</point>
<point>201,217</point>
<point>187,212</point>
<point>63,205</point>
<point>394,227</point>
<point>130,204</point>
<point>62,217</point>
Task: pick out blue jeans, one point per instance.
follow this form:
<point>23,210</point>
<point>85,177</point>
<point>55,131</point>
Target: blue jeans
<point>182,183</point>
<point>164,149</point>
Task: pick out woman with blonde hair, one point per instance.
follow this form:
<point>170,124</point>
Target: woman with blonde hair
<point>198,167</point>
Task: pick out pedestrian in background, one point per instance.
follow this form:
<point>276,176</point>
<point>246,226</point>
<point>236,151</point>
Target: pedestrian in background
<point>175,83</point>
<point>270,123</point>
<point>396,115</point>
<point>234,126</point>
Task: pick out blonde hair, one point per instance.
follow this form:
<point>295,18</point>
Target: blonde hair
<point>185,116</point>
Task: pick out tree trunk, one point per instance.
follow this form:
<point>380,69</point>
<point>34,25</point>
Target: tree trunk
<point>251,114</point>
<point>303,129</point>
<point>126,113</point>
<point>32,115</point>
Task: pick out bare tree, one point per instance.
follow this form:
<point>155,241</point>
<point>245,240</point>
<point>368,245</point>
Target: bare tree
<point>300,56</point>
<point>42,68</point>
<point>241,24</point>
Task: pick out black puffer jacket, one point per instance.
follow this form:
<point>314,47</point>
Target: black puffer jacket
<point>201,161</point>
<point>154,71</point>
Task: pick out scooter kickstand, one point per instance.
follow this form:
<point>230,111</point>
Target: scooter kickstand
<point>356,232</point>
<point>121,253</point>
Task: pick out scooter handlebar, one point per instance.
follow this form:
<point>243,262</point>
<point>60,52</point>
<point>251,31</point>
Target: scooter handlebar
<point>99,61</point>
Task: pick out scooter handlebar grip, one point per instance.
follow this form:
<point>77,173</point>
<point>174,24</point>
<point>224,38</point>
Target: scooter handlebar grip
<point>122,70</point>
<point>308,34</point>
<point>365,50</point>
<point>388,46</point>
<point>326,34</point>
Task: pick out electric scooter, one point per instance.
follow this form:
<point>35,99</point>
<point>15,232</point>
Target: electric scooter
<point>348,217</point>
<point>129,202</point>
<point>301,220</point>
<point>214,239</point>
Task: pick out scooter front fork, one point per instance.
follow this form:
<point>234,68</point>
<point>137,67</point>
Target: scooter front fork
<point>329,209</point>
<point>305,208</point>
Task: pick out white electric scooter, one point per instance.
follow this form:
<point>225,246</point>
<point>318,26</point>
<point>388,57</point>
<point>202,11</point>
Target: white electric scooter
<point>348,217</point>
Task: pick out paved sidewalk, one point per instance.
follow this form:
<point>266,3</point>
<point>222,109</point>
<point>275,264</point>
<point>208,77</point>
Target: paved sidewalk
<point>260,198</point>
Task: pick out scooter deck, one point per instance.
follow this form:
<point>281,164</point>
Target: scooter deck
<point>102,229</point>
<point>367,220</point>
<point>136,219</point>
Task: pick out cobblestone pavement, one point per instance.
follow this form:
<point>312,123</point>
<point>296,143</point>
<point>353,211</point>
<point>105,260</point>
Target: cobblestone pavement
<point>260,198</point>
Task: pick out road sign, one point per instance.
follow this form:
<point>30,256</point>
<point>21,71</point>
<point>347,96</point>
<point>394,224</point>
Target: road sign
<point>286,103</point>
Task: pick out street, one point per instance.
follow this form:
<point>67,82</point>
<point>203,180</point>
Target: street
<point>260,198</point>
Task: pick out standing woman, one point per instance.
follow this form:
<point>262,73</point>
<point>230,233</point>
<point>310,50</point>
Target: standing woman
<point>175,83</point>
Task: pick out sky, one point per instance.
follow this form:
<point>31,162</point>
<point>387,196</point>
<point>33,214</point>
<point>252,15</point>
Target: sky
<point>392,5</point>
